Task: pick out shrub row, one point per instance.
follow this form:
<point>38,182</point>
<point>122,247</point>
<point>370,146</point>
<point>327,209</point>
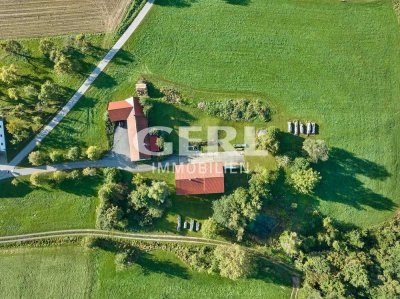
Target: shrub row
<point>237,110</point>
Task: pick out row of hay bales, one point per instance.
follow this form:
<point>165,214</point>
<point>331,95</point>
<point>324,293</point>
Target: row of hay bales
<point>193,225</point>
<point>296,127</point>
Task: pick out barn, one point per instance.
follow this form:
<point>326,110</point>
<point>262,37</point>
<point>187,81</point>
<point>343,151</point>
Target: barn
<point>129,113</point>
<point>199,178</point>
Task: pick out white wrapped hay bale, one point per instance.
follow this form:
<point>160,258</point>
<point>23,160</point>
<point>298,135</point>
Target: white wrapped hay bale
<point>290,127</point>
<point>309,128</point>
<point>302,129</point>
<point>296,128</point>
<point>313,128</point>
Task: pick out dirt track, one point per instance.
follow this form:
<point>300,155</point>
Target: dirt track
<point>34,18</point>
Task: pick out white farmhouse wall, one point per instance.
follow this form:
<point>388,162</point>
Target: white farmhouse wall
<point>2,136</point>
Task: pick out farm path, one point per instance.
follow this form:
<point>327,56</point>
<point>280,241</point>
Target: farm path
<point>82,90</point>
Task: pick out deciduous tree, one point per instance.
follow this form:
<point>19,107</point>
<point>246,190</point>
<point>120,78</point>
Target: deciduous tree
<point>234,262</point>
<point>37,158</point>
<point>93,152</point>
<point>316,149</point>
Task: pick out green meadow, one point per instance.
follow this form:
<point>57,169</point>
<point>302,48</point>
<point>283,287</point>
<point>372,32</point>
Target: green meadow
<point>332,62</point>
<point>25,209</point>
<point>73,272</point>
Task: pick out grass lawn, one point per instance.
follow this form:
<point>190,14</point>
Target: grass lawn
<point>24,209</point>
<point>333,62</point>
<point>72,272</point>
<point>160,274</point>
<point>63,272</point>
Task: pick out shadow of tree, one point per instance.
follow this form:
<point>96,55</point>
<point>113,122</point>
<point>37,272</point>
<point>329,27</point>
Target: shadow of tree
<point>238,2</point>
<point>86,186</point>
<point>340,182</point>
<point>270,273</point>
<point>123,57</point>
<point>153,91</point>
<point>104,81</point>
<point>152,265</point>
<point>9,191</point>
<point>176,3</point>
<point>171,116</point>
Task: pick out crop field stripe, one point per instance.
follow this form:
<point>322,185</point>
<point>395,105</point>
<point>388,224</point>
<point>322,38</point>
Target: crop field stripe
<point>42,18</point>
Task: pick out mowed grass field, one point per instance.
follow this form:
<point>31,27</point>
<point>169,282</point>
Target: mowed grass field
<point>332,62</point>
<point>34,18</point>
<point>24,209</point>
<point>72,272</point>
<point>64,272</point>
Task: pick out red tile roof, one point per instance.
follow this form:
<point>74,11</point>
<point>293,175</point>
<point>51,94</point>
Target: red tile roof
<point>132,111</point>
<point>202,178</point>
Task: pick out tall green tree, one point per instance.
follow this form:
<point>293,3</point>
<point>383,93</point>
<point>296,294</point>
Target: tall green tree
<point>290,243</point>
<point>270,141</point>
<point>305,181</point>
<point>9,75</point>
<point>234,211</point>
<point>316,149</point>
<point>234,262</point>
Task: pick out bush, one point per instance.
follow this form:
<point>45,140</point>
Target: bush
<point>36,158</point>
<point>89,171</point>
<point>237,110</point>
<point>304,181</point>
<point>270,141</point>
<point>93,152</point>
<point>15,182</point>
<point>112,175</point>
<point>171,95</point>
<point>46,46</point>
<point>125,259</point>
<point>56,156</point>
<point>12,94</point>
<point>59,176</point>
<point>38,179</point>
<point>317,150</point>
<point>283,161</point>
<point>210,229</point>
<point>147,105</point>
<point>74,175</point>
<point>74,153</point>
<point>262,226</point>
<point>30,92</point>
<point>234,262</point>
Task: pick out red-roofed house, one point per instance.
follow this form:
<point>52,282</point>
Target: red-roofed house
<point>131,111</point>
<point>201,178</point>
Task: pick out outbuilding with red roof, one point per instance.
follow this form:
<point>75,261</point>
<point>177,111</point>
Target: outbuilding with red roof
<point>199,178</point>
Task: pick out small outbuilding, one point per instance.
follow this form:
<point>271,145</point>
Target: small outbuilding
<point>199,178</point>
<point>141,88</point>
